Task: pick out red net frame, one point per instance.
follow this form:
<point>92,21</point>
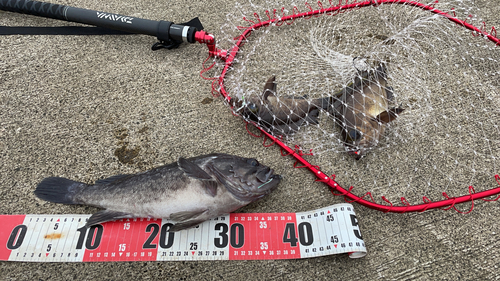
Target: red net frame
<point>280,18</point>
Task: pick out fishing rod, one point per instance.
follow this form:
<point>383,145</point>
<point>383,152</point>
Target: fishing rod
<point>169,34</point>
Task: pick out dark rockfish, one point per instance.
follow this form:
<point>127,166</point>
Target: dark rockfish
<point>362,110</point>
<point>187,192</point>
<point>282,115</point>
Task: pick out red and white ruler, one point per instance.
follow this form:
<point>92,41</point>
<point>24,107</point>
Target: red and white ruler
<point>236,236</point>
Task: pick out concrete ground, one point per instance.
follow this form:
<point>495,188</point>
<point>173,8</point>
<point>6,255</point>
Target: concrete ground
<point>87,107</point>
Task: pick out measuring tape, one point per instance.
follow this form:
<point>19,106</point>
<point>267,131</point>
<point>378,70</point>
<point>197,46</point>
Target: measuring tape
<point>236,236</point>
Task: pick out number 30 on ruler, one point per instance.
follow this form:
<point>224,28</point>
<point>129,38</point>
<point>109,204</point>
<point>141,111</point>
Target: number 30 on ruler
<point>51,238</point>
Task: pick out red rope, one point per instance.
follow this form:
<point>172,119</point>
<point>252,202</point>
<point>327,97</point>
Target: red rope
<point>497,178</point>
<point>264,143</point>
<point>252,134</point>
<point>310,9</point>
<point>404,201</point>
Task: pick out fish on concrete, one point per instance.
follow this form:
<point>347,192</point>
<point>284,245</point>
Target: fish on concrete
<point>187,192</point>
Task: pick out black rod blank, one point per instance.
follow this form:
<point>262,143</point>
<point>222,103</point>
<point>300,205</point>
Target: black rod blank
<point>164,30</point>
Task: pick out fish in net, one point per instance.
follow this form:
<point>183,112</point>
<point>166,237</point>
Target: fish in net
<point>393,100</point>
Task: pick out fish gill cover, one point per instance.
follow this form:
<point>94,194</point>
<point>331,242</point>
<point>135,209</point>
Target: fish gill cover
<point>425,92</point>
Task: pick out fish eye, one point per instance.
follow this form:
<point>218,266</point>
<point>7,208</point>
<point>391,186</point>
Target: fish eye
<point>253,162</point>
<point>354,135</point>
<point>253,108</point>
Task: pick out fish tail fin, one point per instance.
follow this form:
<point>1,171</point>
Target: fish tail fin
<point>270,87</point>
<point>58,190</point>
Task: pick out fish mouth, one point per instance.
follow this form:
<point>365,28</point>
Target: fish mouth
<point>263,183</point>
<point>264,174</point>
<point>267,176</point>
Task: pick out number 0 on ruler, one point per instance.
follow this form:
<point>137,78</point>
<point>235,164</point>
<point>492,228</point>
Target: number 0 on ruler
<point>237,236</point>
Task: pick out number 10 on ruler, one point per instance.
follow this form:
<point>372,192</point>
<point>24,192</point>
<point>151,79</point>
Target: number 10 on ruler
<point>235,236</point>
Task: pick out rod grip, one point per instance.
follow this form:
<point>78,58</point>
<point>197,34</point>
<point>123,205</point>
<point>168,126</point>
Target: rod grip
<point>35,8</point>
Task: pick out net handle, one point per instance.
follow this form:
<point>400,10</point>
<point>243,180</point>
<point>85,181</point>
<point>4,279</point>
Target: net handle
<point>229,56</point>
<point>165,31</point>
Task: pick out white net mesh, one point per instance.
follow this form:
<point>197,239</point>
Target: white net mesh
<point>446,80</point>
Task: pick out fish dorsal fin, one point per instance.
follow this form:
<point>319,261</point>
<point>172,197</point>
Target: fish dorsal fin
<point>356,86</point>
<point>106,215</point>
<point>194,171</point>
<point>111,179</point>
<point>270,88</point>
<point>389,115</point>
<point>381,71</point>
<point>186,215</point>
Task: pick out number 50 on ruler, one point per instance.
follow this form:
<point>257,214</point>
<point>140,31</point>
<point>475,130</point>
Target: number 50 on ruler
<point>253,236</point>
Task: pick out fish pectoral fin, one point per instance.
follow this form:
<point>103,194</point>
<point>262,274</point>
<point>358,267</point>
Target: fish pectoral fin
<point>111,179</point>
<point>192,170</point>
<point>106,215</point>
<point>187,215</point>
<point>269,88</point>
<point>184,225</point>
<point>389,115</point>
<point>210,187</point>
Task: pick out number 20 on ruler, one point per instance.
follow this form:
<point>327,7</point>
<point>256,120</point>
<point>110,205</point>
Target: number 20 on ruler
<point>245,236</point>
